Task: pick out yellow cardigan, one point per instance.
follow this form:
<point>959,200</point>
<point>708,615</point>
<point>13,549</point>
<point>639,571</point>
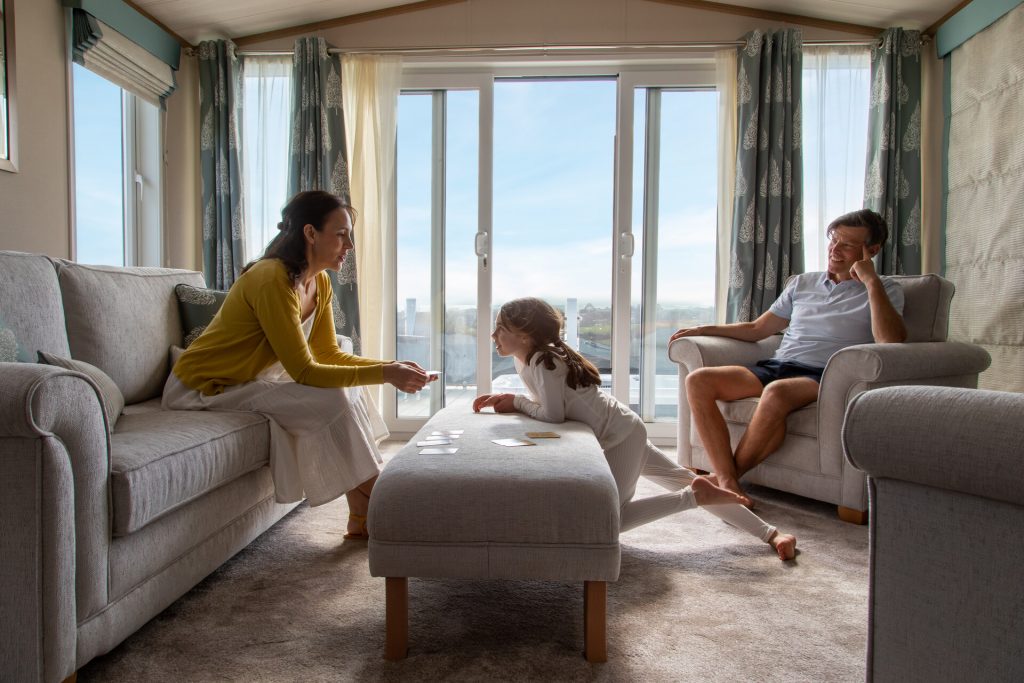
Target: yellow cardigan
<point>259,324</point>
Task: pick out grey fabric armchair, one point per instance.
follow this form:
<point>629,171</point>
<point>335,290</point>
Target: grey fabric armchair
<point>810,462</point>
<point>946,491</point>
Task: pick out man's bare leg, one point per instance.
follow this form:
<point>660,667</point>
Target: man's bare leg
<point>767,428</point>
<point>703,388</point>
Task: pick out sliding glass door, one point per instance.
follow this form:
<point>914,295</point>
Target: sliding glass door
<point>596,193</point>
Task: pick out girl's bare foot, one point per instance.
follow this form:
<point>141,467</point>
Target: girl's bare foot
<point>707,493</point>
<point>784,544</point>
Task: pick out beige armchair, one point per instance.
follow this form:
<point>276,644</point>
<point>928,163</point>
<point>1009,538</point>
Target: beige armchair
<point>810,462</point>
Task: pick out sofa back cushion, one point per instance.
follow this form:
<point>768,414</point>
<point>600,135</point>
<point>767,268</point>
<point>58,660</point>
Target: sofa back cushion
<point>123,320</point>
<point>31,311</point>
<point>926,306</point>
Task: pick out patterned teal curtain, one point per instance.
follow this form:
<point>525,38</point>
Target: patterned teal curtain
<point>317,159</point>
<point>892,183</point>
<point>767,230</point>
<point>220,110</point>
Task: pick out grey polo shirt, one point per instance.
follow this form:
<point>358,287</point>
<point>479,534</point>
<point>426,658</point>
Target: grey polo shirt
<point>826,316</point>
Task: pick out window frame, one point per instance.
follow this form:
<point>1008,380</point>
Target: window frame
<point>142,178</point>
<point>686,72</point>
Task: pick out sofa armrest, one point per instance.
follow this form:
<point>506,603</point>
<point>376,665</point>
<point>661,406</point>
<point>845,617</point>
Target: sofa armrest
<point>54,516</point>
<point>859,368</point>
<point>702,352</point>
<point>965,440</point>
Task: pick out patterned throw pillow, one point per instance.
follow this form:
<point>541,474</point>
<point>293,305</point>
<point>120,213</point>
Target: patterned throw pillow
<point>10,350</point>
<point>113,399</point>
<point>197,307</point>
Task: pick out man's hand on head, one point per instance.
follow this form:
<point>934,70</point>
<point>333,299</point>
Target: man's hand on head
<point>864,269</point>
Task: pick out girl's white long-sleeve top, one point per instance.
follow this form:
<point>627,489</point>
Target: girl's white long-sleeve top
<point>552,400</point>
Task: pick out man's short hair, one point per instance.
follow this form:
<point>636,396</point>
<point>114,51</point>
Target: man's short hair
<point>878,231</point>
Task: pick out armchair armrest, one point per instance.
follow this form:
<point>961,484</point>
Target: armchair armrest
<point>54,516</point>
<point>957,439</point>
<point>702,352</point>
<point>856,369</point>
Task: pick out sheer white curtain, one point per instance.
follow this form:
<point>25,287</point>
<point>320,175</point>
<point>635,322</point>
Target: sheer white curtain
<point>836,90</point>
<point>267,82</point>
<point>725,83</point>
<point>369,89</point>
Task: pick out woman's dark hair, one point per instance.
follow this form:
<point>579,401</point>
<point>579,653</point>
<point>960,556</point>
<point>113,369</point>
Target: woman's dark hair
<point>878,231</point>
<point>543,325</point>
<point>306,208</point>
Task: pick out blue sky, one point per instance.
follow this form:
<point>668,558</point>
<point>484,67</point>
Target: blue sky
<point>553,183</point>
<point>98,177</point>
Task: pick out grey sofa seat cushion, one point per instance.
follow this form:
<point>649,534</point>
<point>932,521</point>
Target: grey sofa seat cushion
<point>31,306</point>
<point>123,320</point>
<point>161,459</point>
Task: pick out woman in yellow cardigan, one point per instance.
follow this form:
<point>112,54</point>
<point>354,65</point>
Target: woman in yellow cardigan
<point>272,349</point>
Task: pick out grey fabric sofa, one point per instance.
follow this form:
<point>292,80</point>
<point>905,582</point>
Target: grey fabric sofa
<point>810,461</point>
<point>946,487</point>
<point>100,533</point>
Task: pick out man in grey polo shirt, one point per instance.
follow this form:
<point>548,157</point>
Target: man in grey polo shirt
<point>820,313</point>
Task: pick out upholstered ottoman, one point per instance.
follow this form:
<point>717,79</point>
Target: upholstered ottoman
<point>544,512</point>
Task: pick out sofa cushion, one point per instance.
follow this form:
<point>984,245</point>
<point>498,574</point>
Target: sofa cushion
<point>197,307</point>
<point>161,459</point>
<point>31,305</point>
<point>122,320</point>
<point>110,395</point>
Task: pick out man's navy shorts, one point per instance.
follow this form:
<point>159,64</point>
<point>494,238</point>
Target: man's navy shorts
<point>772,369</point>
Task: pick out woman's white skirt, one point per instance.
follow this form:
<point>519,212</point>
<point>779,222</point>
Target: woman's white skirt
<point>323,442</point>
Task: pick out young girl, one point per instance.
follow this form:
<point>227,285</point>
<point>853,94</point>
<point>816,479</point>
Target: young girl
<point>564,385</point>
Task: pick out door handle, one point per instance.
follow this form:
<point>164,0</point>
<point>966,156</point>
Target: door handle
<point>480,246</point>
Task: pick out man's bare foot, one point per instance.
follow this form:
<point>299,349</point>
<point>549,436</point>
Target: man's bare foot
<point>706,493</point>
<point>784,544</point>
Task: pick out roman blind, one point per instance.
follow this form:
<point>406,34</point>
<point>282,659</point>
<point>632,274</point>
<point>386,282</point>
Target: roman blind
<point>984,254</point>
<point>140,58</point>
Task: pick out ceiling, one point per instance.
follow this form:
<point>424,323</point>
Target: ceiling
<point>196,20</point>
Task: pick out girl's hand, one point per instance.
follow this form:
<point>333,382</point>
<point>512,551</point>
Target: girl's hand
<point>502,403</point>
<point>405,377</point>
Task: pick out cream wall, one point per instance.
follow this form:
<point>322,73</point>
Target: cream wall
<point>34,201</point>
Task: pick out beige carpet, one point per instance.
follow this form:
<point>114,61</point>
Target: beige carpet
<point>696,601</point>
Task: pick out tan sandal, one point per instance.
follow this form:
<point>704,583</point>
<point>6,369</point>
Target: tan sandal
<point>363,534</point>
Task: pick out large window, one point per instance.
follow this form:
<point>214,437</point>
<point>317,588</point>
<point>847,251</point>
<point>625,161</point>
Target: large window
<point>836,91</point>
<point>118,178</point>
<point>675,204</point>
<point>266,127</point>
<point>507,188</point>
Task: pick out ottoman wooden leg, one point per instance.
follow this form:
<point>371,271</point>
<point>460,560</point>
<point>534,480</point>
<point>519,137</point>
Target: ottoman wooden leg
<point>396,617</point>
<point>595,599</point>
